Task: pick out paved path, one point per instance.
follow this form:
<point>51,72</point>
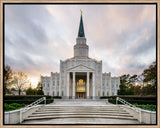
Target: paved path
<point>80,102</point>
<point>81,121</point>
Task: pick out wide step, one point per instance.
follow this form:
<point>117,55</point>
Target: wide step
<point>48,112</point>
<point>80,112</point>
<point>80,116</point>
<point>56,112</point>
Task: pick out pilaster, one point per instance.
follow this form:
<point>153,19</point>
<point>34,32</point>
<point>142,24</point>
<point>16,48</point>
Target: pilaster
<point>87,84</point>
<point>67,85</point>
<point>93,82</point>
<point>73,93</point>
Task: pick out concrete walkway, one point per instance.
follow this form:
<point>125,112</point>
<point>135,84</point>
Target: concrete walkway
<point>81,121</point>
<point>80,102</point>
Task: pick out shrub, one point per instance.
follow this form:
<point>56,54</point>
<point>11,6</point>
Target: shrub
<point>49,101</point>
<point>26,101</point>
<point>26,97</point>
<point>15,105</point>
<point>147,107</point>
<point>19,101</point>
<point>57,97</point>
<point>105,97</point>
<point>16,102</point>
<point>11,107</point>
<point>135,99</point>
<point>8,107</point>
<point>113,101</point>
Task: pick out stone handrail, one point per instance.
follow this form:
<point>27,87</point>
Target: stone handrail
<point>31,106</point>
<point>130,105</point>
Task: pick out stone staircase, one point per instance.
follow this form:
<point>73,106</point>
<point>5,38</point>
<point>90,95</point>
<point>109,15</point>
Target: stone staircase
<point>69,114</point>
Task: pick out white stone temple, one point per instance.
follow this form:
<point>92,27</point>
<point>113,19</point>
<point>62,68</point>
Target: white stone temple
<point>80,77</point>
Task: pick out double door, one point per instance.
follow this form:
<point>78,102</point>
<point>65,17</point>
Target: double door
<point>80,95</point>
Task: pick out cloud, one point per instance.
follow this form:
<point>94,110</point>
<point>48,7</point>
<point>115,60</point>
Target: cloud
<point>38,36</point>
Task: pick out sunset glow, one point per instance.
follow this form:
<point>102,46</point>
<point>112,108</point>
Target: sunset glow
<point>37,37</point>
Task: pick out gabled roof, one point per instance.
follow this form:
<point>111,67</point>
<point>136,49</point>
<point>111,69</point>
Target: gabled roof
<point>80,67</point>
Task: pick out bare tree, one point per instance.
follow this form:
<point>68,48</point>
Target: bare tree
<point>20,81</point>
<point>7,78</point>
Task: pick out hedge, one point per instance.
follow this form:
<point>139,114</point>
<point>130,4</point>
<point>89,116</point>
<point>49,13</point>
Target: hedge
<point>48,101</point>
<point>105,97</point>
<point>113,101</point>
<point>26,97</point>
<point>57,97</point>
<point>147,107</point>
<point>134,97</point>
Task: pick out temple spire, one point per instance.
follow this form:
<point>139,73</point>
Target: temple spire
<point>81,29</point>
<point>81,48</point>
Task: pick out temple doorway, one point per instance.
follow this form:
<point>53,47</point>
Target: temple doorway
<point>80,89</point>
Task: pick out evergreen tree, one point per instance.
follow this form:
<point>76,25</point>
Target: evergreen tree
<point>39,89</point>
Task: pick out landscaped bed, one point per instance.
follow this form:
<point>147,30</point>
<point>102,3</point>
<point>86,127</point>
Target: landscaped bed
<point>143,102</point>
<point>17,102</point>
<point>147,107</point>
<point>140,100</point>
<point>13,106</point>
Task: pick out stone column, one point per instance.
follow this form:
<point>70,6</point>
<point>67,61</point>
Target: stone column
<point>55,91</point>
<point>115,88</point>
<point>73,93</point>
<point>93,84</point>
<point>67,85</point>
<point>51,86</point>
<point>101,86</point>
<point>60,86</point>
<point>87,85</point>
<point>110,85</point>
<point>60,80</point>
<point>105,85</point>
<point>46,87</point>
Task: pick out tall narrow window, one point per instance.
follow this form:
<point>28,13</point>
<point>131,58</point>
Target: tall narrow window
<point>98,93</point>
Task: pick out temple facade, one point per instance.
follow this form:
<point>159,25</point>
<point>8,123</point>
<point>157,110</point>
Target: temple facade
<point>80,77</point>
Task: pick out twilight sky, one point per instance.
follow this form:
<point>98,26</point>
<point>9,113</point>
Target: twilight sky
<point>37,37</point>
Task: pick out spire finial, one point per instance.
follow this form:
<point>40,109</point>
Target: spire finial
<point>81,12</point>
<point>81,29</point>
